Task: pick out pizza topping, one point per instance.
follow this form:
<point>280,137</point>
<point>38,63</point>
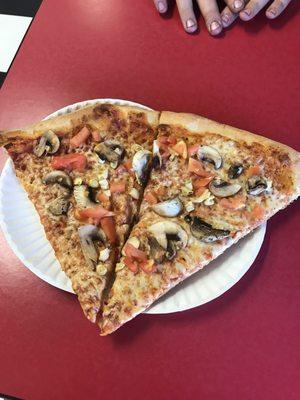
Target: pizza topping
<point>150,197</point>
<point>168,208</point>
<point>193,150</point>
<point>77,181</point>
<point>181,149</point>
<point>93,183</point>
<point>101,269</point>
<point>140,164</point>
<point>134,253</point>
<point>109,227</point>
<point>59,206</point>
<point>104,255</point>
<point>70,162</point>
<point>196,167</point>
<point>80,138</point>
<point>157,160</point>
<point>220,188</point>
<point>88,234</point>
<point>233,203</point>
<point>255,170</point>
<point>111,151</point>
<point>96,213</point>
<point>211,155</point>
<point>83,196</point>
<point>256,185</point>
<point>60,177</point>
<point>189,206</point>
<point>96,136</point>
<point>49,144</point>
<point>104,184</point>
<point>164,231</point>
<point>202,182</point>
<point>156,252</point>
<point>134,193</point>
<point>205,232</point>
<point>235,171</point>
<point>117,187</point>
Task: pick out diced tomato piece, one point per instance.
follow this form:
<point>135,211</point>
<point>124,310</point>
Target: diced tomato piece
<point>151,198</point>
<point>121,169</point>
<point>97,212</point>
<point>103,199</point>
<point>258,212</point>
<point>166,141</point>
<point>181,149</point>
<point>202,182</point>
<point>160,191</point>
<point>117,187</point>
<point>135,253</point>
<point>255,170</point>
<point>70,162</point>
<point>193,149</point>
<point>200,191</point>
<point>80,138</point>
<point>233,203</point>
<point>132,265</point>
<point>197,168</point>
<point>148,266</point>
<point>109,227</point>
<point>128,164</point>
<point>96,136</point>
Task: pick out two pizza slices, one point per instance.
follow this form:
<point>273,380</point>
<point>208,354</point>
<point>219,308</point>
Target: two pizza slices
<point>209,185</point>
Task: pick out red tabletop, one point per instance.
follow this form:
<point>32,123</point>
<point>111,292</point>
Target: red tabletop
<point>245,344</point>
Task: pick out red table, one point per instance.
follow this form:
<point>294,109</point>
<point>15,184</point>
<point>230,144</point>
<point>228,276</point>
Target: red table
<point>245,344</point>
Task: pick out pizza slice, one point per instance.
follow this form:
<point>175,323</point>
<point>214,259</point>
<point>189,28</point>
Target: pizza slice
<point>211,184</point>
<point>85,173</point>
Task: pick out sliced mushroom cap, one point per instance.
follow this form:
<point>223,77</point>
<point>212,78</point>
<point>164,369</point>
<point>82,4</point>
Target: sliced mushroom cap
<point>256,185</point>
<point>168,208</point>
<point>59,206</point>
<point>235,171</point>
<point>157,160</point>
<point>211,155</point>
<point>60,177</point>
<point>205,232</point>
<point>110,150</point>
<point>140,165</point>
<point>49,143</point>
<point>88,234</point>
<point>220,188</point>
<point>157,253</point>
<point>85,196</point>
<point>165,230</point>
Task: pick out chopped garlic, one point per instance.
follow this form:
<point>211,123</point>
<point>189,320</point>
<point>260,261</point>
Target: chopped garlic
<point>114,164</point>
<point>101,161</point>
<point>101,269</point>
<point>204,196</point>
<point>134,241</point>
<point>77,181</point>
<point>136,147</point>
<point>107,193</point>
<point>103,174</point>
<point>104,255</point>
<point>210,201</point>
<point>189,184</point>
<point>93,183</point>
<point>189,206</point>
<point>104,184</point>
<point>134,193</point>
<point>118,150</point>
<point>119,266</point>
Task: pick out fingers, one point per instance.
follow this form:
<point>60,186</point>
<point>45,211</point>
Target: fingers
<point>252,8</point>
<point>161,5</point>
<point>187,15</point>
<point>210,11</point>
<point>276,8</point>
<point>228,17</point>
<point>235,5</point>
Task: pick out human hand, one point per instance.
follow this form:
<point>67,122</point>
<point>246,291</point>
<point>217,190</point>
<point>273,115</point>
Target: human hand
<point>252,8</point>
<point>209,10</point>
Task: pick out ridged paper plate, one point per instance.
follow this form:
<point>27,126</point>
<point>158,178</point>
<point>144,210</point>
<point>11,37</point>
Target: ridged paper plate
<point>23,230</point>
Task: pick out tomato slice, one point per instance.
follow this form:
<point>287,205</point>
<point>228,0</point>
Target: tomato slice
<point>117,187</point>
<point>181,149</point>
<point>132,265</point>
<point>233,203</point>
<point>193,149</point>
<point>133,252</point>
<point>200,191</point>
<point>109,226</point>
<point>80,138</point>
<point>202,182</point>
<point>151,198</point>
<point>255,170</point>
<point>96,136</point>
<point>70,162</point>
<point>196,167</point>
<point>148,266</point>
<point>97,213</point>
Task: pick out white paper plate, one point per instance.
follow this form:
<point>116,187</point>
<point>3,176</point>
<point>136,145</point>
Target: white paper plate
<point>23,231</point>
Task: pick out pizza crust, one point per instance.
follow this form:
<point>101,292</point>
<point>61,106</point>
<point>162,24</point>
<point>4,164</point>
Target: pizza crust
<point>65,123</point>
<point>196,124</point>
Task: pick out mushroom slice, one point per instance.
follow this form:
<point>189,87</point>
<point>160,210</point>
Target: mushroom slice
<point>168,208</point>
<point>157,253</point>
<point>220,188</point>
<point>157,160</point>
<point>88,234</point>
<point>84,196</point>
<point>59,206</point>
<point>60,177</point>
<point>211,155</point>
<point>49,143</point>
<point>140,165</point>
<point>235,171</point>
<point>256,185</point>
<point>205,232</point>
<point>110,150</point>
<point>164,231</point>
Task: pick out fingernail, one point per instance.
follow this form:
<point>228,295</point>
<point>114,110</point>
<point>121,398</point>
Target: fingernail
<point>237,4</point>
<point>161,6</point>
<point>272,12</point>
<point>214,26</point>
<point>225,19</point>
<point>190,23</point>
<point>246,13</point>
